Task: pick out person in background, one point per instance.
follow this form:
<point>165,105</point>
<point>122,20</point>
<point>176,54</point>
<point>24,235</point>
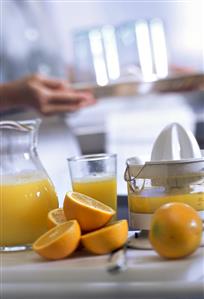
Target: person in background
<point>46,95</point>
<point>33,81</point>
<point>33,60</point>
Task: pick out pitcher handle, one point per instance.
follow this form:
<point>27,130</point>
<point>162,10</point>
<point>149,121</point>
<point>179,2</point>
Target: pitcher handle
<point>25,126</point>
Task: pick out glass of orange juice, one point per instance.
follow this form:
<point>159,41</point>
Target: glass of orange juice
<point>95,176</point>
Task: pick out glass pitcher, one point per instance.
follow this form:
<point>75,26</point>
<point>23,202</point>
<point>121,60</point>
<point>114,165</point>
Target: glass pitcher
<point>26,192</point>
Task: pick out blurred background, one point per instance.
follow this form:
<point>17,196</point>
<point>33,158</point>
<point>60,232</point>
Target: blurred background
<point>158,46</point>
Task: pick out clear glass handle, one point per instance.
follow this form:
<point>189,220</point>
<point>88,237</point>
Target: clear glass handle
<point>20,126</point>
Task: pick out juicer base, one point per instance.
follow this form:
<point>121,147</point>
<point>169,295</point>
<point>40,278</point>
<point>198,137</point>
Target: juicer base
<point>140,240</point>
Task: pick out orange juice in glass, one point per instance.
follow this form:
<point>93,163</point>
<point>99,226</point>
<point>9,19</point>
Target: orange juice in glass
<point>95,176</point>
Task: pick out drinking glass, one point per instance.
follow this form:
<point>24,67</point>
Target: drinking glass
<point>95,176</point>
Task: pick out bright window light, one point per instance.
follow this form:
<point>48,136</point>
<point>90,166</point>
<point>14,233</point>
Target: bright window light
<point>144,49</point>
<point>159,48</point>
<point>111,51</point>
<point>96,45</point>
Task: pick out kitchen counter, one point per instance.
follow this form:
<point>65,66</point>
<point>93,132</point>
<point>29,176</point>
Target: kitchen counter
<point>26,275</point>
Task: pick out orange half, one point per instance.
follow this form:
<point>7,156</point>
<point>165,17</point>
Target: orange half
<point>106,239</point>
<point>55,217</point>
<point>90,213</point>
<point>59,242</point>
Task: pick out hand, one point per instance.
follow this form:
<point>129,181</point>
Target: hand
<point>48,96</point>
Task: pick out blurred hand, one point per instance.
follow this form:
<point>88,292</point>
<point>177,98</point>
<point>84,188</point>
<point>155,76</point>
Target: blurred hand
<point>48,96</point>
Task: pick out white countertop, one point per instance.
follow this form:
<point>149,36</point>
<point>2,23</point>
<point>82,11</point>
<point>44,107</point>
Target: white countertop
<point>26,275</point>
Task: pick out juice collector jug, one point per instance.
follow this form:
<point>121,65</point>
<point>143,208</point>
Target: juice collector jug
<point>26,192</point>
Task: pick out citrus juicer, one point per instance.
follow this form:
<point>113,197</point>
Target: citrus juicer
<point>175,173</point>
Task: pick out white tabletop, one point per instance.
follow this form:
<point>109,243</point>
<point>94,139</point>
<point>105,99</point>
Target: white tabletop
<point>26,275</point>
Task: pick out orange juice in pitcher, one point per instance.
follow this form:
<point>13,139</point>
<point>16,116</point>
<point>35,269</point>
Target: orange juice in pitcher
<point>25,202</point>
<point>26,192</point>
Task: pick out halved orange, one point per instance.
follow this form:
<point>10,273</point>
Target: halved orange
<point>106,239</point>
<point>90,213</point>
<point>59,242</point>
<point>55,217</point>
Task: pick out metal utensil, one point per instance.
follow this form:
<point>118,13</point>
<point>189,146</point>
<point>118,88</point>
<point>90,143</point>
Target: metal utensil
<point>117,261</point>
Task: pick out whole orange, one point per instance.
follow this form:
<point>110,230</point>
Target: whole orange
<point>176,230</point>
